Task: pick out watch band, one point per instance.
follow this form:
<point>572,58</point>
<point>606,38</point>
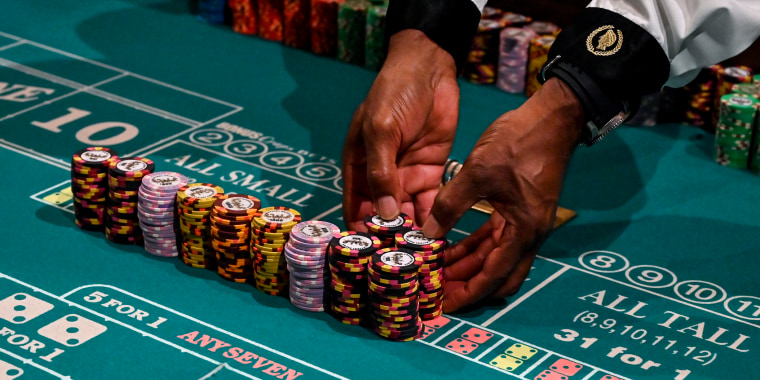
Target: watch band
<point>603,113</point>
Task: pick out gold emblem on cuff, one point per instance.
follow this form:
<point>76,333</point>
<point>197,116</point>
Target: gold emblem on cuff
<point>604,41</point>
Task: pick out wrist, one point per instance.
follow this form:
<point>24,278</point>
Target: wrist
<point>411,47</point>
<point>563,112</point>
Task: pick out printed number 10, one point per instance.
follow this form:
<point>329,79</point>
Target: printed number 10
<point>85,134</point>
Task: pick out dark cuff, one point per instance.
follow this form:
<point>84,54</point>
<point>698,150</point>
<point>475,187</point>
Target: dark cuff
<point>449,23</point>
<point>624,59</point>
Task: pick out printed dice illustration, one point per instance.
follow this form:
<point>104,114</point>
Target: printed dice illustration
<point>22,308</point>
<point>462,346</point>
<point>9,371</point>
<point>521,351</point>
<point>566,367</point>
<point>610,377</point>
<point>550,375</point>
<point>428,330</point>
<point>477,335</point>
<point>438,322</point>
<point>505,362</point>
<point>72,330</point>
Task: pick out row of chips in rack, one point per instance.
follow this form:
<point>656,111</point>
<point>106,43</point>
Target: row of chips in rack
<point>394,293</point>
<point>156,212</point>
<point>89,185</point>
<point>230,229</point>
<point>306,255</point>
<point>270,230</point>
<point>348,255</point>
<point>125,177</point>
<point>194,204</point>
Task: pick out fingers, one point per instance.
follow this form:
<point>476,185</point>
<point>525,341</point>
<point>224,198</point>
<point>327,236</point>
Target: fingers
<point>382,144</point>
<point>452,202</point>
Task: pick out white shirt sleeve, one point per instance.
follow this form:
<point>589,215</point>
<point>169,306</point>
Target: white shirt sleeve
<point>693,33</point>
<point>480,4</point>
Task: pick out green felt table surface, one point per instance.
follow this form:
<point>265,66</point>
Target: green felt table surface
<point>656,278</point>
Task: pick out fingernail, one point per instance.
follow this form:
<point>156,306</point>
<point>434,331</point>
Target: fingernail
<point>431,228</point>
<point>387,207</point>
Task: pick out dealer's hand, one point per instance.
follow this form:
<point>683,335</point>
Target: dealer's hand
<point>518,165</point>
<point>401,135</point>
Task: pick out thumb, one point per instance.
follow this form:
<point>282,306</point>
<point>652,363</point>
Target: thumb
<point>382,173</point>
<point>452,202</point>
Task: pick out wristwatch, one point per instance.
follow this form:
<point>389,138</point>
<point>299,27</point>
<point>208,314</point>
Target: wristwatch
<point>603,112</point>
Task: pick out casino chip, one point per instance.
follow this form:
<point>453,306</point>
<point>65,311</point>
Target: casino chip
<point>324,27</point>
<point>386,230</point>
<point>513,59</point>
<point>348,255</point>
<point>484,53</point>
<point>156,212</point>
<point>537,56</point>
<point>726,77</point>
<point>352,20</point>
<point>374,42</point>
<point>394,293</point>
<point>194,204</point>
<point>89,185</point>
<point>125,177</point>
<point>270,229</point>
<point>430,270</point>
<point>733,134</point>
<point>306,254</point>
<point>231,219</point>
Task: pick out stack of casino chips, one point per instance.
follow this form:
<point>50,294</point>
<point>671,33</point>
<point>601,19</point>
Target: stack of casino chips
<point>306,254</point>
<point>698,98</point>
<point>386,230</point>
<point>513,59</point>
<point>324,27</point>
<point>544,28</point>
<point>538,54</point>
<point>295,26</point>
<point>484,53</point>
<point>430,270</point>
<point>230,230</point>
<point>270,229</point>
<point>514,20</point>
<point>726,77</point>
<point>733,134</point>
<point>752,89</point>
<point>156,211</point>
<point>374,43</point>
<point>89,185</point>
<point>194,204</point>
<point>393,294</point>
<point>125,176</point>
<point>352,20</point>
<point>244,16</point>
<point>348,255</point>
<point>270,19</point>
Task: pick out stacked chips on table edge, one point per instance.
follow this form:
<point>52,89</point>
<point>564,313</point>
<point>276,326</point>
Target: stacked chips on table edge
<point>306,254</point>
<point>374,42</point>
<point>483,57</point>
<point>157,214</point>
<point>295,26</point>
<point>733,133</point>
<point>537,56</point>
<point>89,185</point>
<point>270,19</point>
<point>194,204</point>
<point>352,22</point>
<point>431,278</point>
<point>394,293</point>
<point>386,230</point>
<point>244,16</point>
<point>726,77</point>
<point>230,228</point>
<point>348,255</point>
<point>513,58</point>
<point>125,177</point>
<point>270,230</point>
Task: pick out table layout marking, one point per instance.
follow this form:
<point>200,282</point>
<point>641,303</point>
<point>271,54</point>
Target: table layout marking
<point>525,296</point>
<point>35,365</point>
<point>193,319</point>
<point>262,167</point>
<point>35,155</point>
